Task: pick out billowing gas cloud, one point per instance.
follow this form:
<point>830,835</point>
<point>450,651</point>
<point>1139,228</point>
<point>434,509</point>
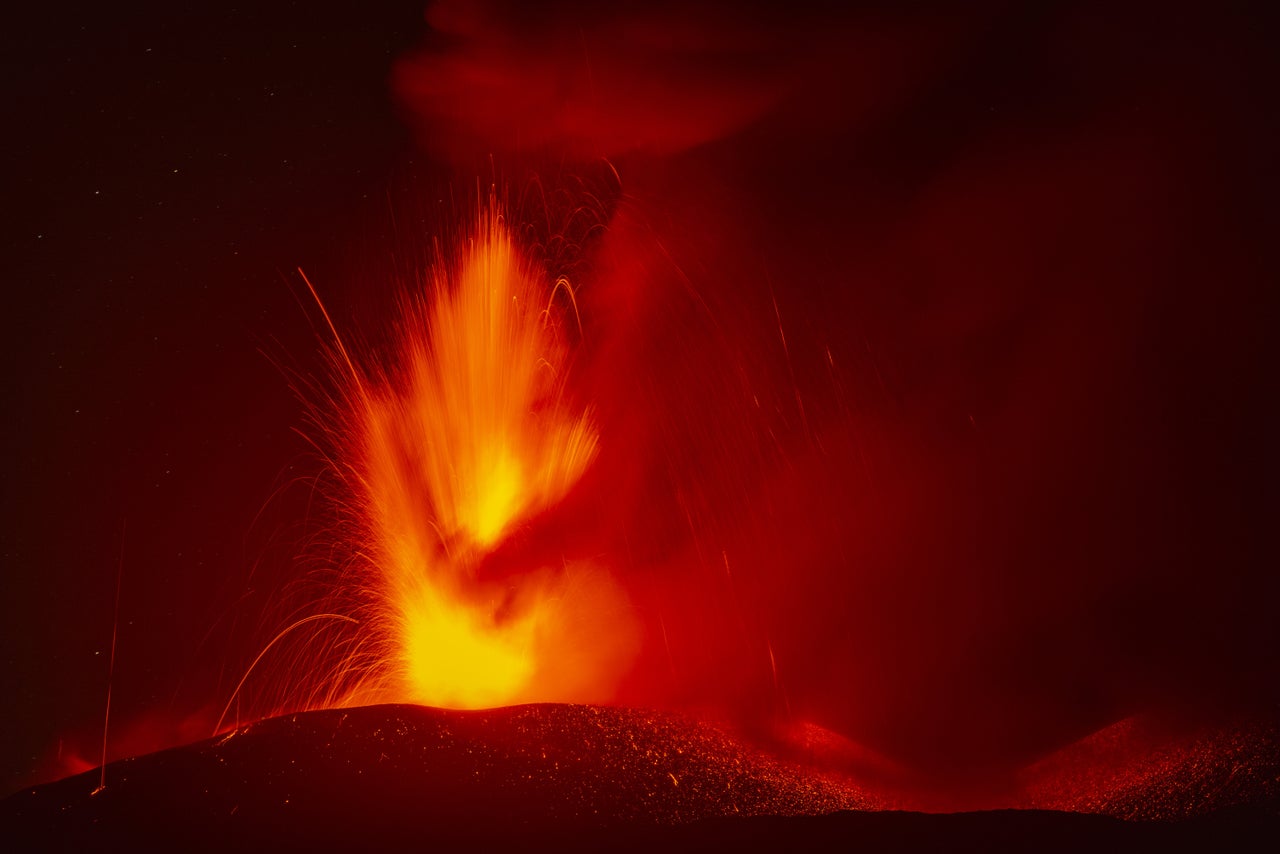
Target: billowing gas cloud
<point>591,79</point>
<point>926,350</point>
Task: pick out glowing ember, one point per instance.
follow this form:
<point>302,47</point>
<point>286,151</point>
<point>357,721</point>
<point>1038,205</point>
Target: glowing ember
<point>470,432</point>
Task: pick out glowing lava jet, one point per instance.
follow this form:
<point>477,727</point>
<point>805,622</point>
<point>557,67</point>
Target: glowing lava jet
<point>469,432</point>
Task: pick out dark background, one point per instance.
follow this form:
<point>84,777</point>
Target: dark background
<point>1013,475</point>
<point>168,168</point>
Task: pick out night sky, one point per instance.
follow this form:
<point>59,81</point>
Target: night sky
<point>170,171</point>
<point>1010,479</point>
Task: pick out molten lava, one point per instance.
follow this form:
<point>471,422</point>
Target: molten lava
<point>469,432</point>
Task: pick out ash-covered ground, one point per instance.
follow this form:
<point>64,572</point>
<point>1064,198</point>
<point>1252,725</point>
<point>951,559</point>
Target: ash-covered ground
<point>568,777</point>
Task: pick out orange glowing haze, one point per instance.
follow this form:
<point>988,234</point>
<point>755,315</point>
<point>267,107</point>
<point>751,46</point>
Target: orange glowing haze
<point>467,433</point>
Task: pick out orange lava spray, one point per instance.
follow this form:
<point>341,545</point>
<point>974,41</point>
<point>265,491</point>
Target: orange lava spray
<point>467,432</point>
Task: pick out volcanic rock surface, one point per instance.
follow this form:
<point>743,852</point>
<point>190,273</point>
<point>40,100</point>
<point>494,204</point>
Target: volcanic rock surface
<point>566,777</point>
<point>1157,767</point>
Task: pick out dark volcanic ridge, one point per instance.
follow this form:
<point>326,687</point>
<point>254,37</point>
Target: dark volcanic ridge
<point>1160,767</point>
<point>556,776</point>
<point>535,767</point>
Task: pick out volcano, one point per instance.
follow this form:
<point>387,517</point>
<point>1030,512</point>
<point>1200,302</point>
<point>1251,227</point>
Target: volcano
<point>576,777</point>
<point>879,391</point>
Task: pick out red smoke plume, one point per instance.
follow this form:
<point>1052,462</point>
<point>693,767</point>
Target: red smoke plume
<point>922,347</point>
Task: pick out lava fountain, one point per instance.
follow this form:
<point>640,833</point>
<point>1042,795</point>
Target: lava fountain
<point>469,430</point>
